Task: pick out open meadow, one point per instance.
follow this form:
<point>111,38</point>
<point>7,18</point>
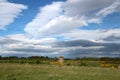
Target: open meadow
<point>12,71</point>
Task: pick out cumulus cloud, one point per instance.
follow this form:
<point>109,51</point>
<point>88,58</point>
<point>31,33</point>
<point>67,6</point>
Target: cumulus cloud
<point>43,17</point>
<point>112,38</point>
<point>51,21</point>
<point>93,11</point>
<point>85,7</point>
<point>108,10</point>
<point>93,35</point>
<point>9,11</point>
<point>4,40</point>
<point>86,48</point>
<point>3,0</point>
<point>74,43</point>
<point>69,15</point>
<point>23,45</point>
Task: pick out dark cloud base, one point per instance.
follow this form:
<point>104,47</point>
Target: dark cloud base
<point>70,49</point>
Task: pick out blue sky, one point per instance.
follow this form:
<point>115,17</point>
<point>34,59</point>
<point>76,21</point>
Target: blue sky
<point>70,28</point>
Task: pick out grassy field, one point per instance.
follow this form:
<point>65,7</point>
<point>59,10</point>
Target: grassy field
<point>55,72</point>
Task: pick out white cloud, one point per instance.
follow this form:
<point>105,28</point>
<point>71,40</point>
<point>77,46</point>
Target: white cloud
<point>93,35</point>
<point>51,21</point>
<point>108,10</point>
<point>3,0</point>
<point>61,25</point>
<point>85,7</point>
<point>8,12</point>
<point>93,11</point>
<point>64,17</point>
<point>22,44</point>
<point>43,17</point>
<point>26,39</point>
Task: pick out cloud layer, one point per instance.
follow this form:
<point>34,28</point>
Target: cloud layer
<point>56,30</point>
<point>53,47</point>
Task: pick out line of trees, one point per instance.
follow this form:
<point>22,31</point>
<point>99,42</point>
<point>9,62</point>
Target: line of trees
<point>46,57</point>
<point>31,57</point>
<point>104,61</point>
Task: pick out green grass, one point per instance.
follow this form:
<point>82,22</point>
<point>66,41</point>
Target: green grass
<point>54,72</point>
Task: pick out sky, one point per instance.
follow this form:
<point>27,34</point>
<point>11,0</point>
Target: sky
<point>69,28</point>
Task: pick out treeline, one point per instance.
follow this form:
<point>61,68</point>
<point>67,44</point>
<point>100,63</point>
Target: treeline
<point>100,59</point>
<point>29,60</point>
<point>94,62</point>
<point>55,58</point>
<point>31,57</point>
